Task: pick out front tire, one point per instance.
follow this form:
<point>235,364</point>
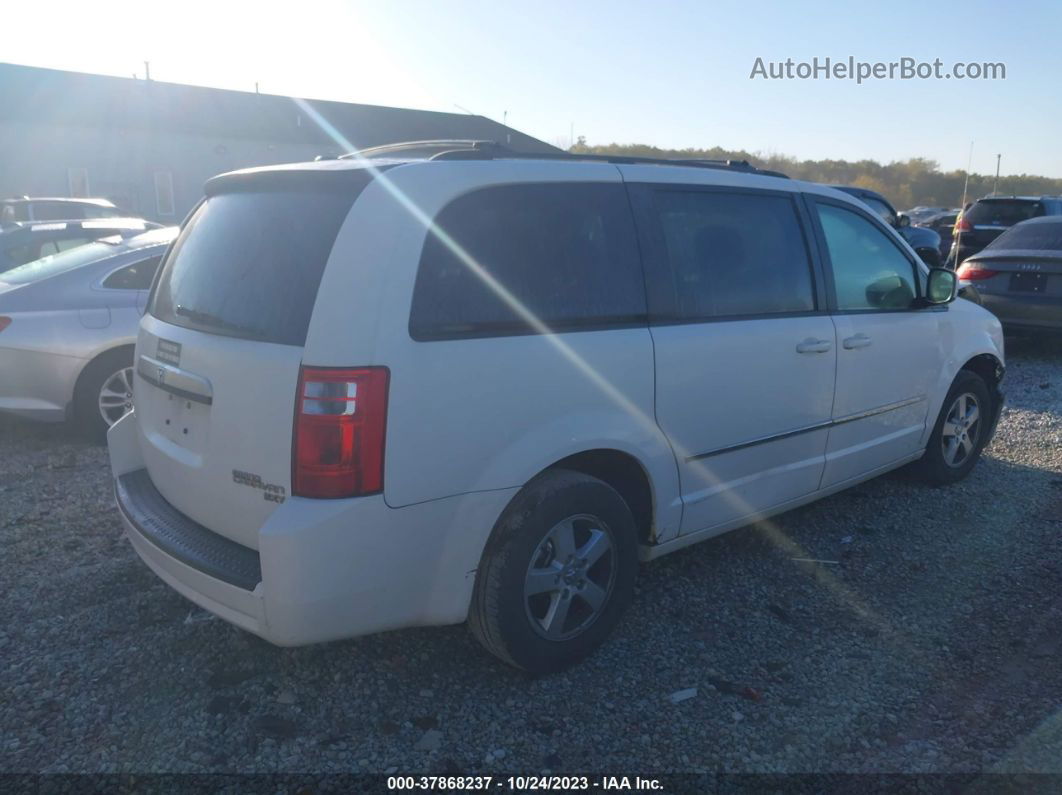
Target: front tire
<point>557,573</point>
<point>961,432</point>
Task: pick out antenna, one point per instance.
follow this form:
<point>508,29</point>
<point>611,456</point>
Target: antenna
<point>966,184</point>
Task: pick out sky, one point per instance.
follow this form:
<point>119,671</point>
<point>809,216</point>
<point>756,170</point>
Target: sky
<point>672,74</point>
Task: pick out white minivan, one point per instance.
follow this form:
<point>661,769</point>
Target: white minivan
<point>442,383</point>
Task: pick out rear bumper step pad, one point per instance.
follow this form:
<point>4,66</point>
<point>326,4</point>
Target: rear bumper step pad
<point>178,536</point>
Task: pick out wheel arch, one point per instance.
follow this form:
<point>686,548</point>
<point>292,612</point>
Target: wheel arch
<point>627,475</point>
<point>988,367</point>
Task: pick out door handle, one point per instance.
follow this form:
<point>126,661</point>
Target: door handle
<point>858,341</point>
<point>812,345</point>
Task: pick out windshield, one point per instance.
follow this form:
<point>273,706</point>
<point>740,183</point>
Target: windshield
<point>1034,236</point>
<point>54,264</point>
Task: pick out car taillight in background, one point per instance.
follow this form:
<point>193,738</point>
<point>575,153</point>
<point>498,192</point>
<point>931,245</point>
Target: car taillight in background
<point>4,322</point>
<point>340,419</point>
<point>962,225</point>
<point>972,272</point>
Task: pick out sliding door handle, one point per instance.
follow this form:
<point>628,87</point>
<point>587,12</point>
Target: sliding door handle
<point>858,341</point>
<point>812,345</point>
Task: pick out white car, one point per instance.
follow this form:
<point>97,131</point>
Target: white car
<point>380,392</point>
<point>68,322</point>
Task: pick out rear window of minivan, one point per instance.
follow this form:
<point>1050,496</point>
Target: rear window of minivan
<point>249,263</point>
<point>565,253</point>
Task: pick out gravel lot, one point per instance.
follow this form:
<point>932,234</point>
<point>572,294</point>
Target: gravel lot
<point>932,644</point>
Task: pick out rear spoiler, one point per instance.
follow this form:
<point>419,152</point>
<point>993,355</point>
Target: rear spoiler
<point>296,177</point>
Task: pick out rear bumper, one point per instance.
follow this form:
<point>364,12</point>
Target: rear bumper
<point>329,569</point>
<point>1030,312</point>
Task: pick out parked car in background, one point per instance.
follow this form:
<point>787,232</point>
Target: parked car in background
<point>26,242</point>
<point>943,223</point>
<point>922,213</point>
<point>1018,276</point>
<point>23,208</point>
<point>67,328</point>
<point>925,242</point>
<point>986,219</point>
<point>473,386</point>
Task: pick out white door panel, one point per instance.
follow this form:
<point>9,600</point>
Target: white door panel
<point>881,406</point>
<point>746,412</point>
<point>888,353</point>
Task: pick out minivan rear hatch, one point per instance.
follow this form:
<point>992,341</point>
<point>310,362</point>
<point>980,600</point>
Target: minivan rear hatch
<point>219,350</point>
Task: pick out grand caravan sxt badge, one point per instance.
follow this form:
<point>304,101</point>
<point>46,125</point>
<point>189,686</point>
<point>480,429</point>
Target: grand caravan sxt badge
<point>270,491</point>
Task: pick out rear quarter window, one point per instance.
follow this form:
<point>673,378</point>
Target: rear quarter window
<point>137,276</point>
<point>563,253</point>
<point>249,263</point>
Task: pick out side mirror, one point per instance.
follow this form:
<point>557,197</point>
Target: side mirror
<point>903,220</point>
<point>940,286</point>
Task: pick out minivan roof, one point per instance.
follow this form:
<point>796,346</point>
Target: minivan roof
<point>492,150</point>
<point>352,166</point>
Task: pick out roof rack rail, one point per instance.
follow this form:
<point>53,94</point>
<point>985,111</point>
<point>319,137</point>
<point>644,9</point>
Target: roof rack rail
<point>492,150</point>
<point>423,147</point>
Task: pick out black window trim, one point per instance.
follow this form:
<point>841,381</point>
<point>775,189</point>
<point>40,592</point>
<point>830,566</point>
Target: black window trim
<point>519,328</point>
<point>810,200</point>
<point>662,311</point>
<point>101,284</point>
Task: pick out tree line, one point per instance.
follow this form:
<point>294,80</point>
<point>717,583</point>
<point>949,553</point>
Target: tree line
<point>906,183</point>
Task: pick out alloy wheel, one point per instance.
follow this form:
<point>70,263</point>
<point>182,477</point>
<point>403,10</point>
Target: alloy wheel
<point>570,578</point>
<point>962,429</point>
<point>116,396</point>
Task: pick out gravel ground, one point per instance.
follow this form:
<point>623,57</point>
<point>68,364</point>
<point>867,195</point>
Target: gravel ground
<point>931,645</point>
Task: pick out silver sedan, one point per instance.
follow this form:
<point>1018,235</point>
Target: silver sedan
<point>68,324</point>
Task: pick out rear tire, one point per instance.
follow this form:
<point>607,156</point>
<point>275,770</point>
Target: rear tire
<point>104,393</point>
<point>557,572</point>
<point>960,434</point>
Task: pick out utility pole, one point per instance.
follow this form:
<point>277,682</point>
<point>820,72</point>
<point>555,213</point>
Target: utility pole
<point>147,70</point>
<point>995,187</point>
<point>571,135</point>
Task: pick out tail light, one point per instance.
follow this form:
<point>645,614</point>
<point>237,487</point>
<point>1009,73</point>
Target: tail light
<point>340,419</point>
<point>4,322</point>
<point>962,225</point>
<point>972,272</point>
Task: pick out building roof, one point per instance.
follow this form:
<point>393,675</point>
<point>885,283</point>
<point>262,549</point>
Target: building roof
<point>52,96</point>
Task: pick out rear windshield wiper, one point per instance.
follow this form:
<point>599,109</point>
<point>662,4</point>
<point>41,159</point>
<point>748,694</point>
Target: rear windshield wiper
<point>208,319</point>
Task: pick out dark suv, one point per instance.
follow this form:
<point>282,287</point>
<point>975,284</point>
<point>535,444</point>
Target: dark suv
<point>924,241</point>
<point>986,219</point>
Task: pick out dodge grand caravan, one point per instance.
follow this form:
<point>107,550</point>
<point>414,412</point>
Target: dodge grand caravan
<point>402,390</point>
